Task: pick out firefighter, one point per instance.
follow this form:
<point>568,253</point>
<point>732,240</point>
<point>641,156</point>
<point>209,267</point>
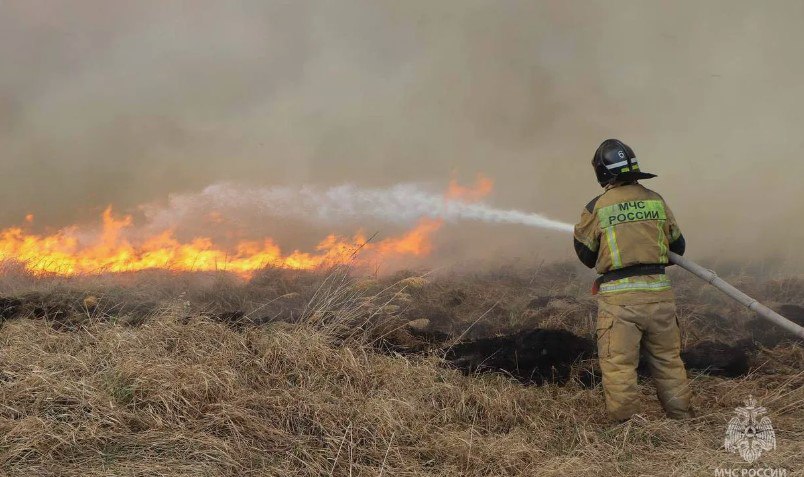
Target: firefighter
<point>625,233</point>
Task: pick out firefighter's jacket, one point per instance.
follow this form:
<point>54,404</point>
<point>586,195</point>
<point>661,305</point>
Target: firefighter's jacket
<point>629,225</point>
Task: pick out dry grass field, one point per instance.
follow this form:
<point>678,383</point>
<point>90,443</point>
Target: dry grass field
<point>302,373</point>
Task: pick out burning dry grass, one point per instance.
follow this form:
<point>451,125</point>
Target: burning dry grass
<point>192,388</point>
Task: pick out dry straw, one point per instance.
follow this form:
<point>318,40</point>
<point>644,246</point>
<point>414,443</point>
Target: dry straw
<point>181,391</point>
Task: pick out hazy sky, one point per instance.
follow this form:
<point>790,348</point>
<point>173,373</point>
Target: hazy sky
<point>117,102</point>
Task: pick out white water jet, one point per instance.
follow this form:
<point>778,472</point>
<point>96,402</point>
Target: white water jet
<point>403,203</point>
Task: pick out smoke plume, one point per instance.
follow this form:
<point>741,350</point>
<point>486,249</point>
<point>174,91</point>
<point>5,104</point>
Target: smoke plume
<point>128,103</point>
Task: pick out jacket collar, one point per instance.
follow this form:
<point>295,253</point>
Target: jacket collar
<point>620,184</point>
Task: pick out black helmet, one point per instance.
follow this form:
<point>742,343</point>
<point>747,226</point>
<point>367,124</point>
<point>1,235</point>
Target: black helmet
<point>615,161</point>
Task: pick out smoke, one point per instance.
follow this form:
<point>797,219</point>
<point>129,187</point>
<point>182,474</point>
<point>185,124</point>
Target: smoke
<point>128,103</point>
<point>401,204</point>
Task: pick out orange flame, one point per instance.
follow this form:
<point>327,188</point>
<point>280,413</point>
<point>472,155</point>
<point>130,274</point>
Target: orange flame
<point>482,187</point>
<point>63,253</point>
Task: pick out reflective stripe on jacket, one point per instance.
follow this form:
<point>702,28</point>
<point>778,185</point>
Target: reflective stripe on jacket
<point>628,225</point>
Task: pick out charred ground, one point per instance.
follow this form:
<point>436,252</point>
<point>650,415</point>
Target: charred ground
<point>302,373</point>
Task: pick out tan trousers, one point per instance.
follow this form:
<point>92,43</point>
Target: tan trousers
<point>620,331</point>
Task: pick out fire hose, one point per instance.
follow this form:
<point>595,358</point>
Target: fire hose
<point>711,277</point>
